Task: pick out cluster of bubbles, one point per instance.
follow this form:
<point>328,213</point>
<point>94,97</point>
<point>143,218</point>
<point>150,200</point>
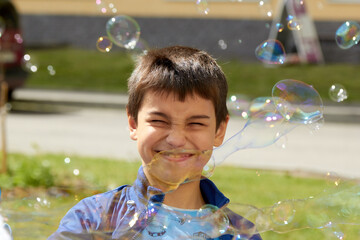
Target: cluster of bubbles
<point>106,6</point>
<point>293,103</point>
<point>30,64</point>
<point>346,36</point>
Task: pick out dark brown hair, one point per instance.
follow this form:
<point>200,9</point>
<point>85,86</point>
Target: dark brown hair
<point>182,71</point>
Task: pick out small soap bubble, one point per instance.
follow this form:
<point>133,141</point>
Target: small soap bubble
<point>222,44</point>
<point>67,160</point>
<point>333,179</point>
<point>203,6</point>
<point>337,93</point>
<point>123,30</point>
<point>271,52</point>
<point>238,105</point>
<point>141,48</point>
<point>76,172</point>
<point>240,41</point>
<point>279,27</point>
<point>29,63</point>
<point>294,24</point>
<point>283,212</point>
<point>51,70</point>
<point>348,34</point>
<point>104,44</point>
<point>18,38</point>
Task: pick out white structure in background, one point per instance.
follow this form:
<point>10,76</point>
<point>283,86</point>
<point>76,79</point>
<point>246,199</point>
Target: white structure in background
<point>294,28</point>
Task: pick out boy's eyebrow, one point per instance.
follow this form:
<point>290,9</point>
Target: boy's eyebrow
<point>161,114</point>
<point>199,116</point>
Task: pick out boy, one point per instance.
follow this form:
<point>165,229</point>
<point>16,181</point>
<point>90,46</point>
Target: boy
<point>177,113</point>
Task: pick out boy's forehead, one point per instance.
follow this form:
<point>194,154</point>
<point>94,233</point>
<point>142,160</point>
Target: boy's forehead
<point>168,99</point>
<point>170,96</point>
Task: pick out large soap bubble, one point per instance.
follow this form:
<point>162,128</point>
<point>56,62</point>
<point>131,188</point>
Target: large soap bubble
<point>168,169</point>
<point>348,34</point>
<point>297,101</point>
<point>293,103</point>
<point>124,31</point>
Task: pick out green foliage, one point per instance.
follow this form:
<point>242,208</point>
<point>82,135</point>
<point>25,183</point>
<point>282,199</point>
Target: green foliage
<point>23,172</point>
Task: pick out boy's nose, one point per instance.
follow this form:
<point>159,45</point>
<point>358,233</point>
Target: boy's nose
<point>176,138</point>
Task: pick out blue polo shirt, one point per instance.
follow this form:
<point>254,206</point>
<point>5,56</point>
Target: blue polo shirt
<point>124,213</point>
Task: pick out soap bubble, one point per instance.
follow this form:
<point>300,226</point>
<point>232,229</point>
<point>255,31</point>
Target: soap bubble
<point>333,179</point>
<point>124,31</point>
<point>337,93</point>
<point>141,48</point>
<point>214,219</point>
<point>222,44</point>
<point>202,6</point>
<point>294,24</point>
<point>29,63</point>
<point>293,103</point>
<point>282,213</point>
<point>271,52</point>
<point>51,70</point>
<point>348,34</point>
<point>297,101</point>
<point>279,27</point>
<point>168,169</point>
<point>238,105</point>
<point>104,44</point>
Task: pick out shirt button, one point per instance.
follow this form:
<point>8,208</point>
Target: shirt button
<point>130,202</point>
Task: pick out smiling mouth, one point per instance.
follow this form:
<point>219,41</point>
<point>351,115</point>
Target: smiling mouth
<point>176,155</point>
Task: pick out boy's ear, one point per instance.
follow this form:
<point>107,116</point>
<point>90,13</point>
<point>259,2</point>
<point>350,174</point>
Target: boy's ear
<point>132,126</point>
<point>220,132</point>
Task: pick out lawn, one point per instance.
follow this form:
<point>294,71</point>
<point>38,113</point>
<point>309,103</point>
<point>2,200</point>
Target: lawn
<point>80,69</point>
<point>69,180</point>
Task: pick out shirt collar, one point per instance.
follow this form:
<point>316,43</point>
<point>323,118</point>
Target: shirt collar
<point>143,192</point>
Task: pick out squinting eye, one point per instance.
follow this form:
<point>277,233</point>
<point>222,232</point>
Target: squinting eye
<point>197,123</point>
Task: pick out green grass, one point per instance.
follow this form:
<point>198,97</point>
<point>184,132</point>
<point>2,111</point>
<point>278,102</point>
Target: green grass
<point>92,70</point>
<point>242,186</point>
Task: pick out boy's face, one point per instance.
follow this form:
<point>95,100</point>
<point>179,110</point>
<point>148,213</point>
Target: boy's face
<point>165,123</point>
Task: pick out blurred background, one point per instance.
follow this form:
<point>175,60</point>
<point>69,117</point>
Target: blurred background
<point>64,66</point>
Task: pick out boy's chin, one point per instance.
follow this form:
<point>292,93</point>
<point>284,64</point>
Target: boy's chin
<point>169,169</point>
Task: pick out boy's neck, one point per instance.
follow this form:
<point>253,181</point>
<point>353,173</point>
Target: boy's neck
<point>187,196</point>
